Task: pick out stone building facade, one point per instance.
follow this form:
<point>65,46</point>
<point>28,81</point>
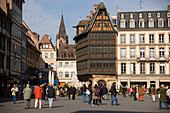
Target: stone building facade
<point>5,37</point>
<point>143,46</point>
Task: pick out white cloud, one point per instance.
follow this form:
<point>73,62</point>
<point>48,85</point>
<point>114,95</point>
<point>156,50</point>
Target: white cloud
<point>39,20</point>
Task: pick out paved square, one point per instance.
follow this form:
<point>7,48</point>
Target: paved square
<point>63,105</point>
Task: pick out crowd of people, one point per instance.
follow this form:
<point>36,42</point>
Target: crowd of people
<point>95,94</point>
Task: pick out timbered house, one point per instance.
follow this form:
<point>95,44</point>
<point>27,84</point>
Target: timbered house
<point>96,47</point>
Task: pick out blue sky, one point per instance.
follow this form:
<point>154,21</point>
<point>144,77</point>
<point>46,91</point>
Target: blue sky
<point>43,16</point>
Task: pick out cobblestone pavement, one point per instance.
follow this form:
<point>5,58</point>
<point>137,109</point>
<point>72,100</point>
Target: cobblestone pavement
<point>63,105</point>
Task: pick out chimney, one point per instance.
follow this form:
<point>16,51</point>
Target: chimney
<point>87,17</point>
<point>118,9</point>
<point>91,13</point>
<point>36,35</point>
<point>95,7</point>
<point>168,8</point>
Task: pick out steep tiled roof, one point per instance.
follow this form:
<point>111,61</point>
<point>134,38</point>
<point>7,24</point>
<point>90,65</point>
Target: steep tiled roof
<point>67,51</point>
<point>45,39</point>
<point>89,25</point>
<point>83,22</point>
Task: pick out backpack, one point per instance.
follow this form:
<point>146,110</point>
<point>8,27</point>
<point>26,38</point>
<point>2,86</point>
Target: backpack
<point>96,93</point>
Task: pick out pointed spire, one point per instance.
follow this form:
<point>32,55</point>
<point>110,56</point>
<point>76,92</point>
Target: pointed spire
<point>62,31</point>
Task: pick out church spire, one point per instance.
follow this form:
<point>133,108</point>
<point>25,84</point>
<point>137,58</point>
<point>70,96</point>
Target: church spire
<point>61,37</point>
<point>62,31</point>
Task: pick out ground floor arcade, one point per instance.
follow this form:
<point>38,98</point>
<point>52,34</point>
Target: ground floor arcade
<point>147,82</point>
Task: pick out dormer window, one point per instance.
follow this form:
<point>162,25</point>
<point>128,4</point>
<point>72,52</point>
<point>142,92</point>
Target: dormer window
<point>122,24</point>
<point>160,23</point>
<point>168,22</point>
<point>151,23</point>
<point>132,23</point>
<point>122,16</point>
<point>141,23</point>
<point>131,15</point>
<point>140,15</point>
<point>158,15</point>
<point>168,14</point>
<point>149,15</point>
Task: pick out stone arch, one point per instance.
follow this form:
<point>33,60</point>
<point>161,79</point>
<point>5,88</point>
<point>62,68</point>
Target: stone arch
<point>100,82</point>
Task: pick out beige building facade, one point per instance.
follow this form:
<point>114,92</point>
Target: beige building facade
<point>143,47</point>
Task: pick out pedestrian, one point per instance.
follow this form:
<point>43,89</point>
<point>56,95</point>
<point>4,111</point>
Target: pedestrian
<point>158,92</point>
<point>141,92</point>
<point>124,91</point>
<point>69,92</point>
<point>163,97</point>
<point>38,95</point>
<point>100,94</point>
<point>149,91</point>
<point>90,94</point>
<point>131,92</point>
<point>50,95</point>
<point>104,91</point>
<point>134,92</point>
<point>128,91</point>
<point>95,95</point>
<point>113,93</point>
<point>153,93</point>
<point>44,87</point>
<point>83,90</point>
<point>168,95</point>
<point>14,91</point>
<point>168,92</point>
<point>27,96</point>
<point>74,90</point>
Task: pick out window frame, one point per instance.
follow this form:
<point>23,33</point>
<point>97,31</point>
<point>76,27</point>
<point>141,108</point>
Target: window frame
<point>132,68</point>
<point>162,68</point>
<point>46,55</point>
<point>142,68</point>
<point>123,53</point>
<point>123,68</point>
<point>151,38</point>
<point>142,36</point>
<point>142,52</point>
<point>132,53</point>
<point>132,38</point>
<point>67,73</point>
<point>152,68</point>
<point>161,52</point>
<point>123,39</point>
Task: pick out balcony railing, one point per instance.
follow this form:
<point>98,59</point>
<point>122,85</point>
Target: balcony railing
<point>154,58</point>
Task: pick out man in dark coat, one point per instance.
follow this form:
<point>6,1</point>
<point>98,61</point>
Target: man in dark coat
<point>104,91</point>
<point>163,97</point>
<point>73,92</point>
<point>44,86</point>
<point>124,91</point>
<point>113,93</point>
<point>51,95</point>
<point>69,92</point>
<point>134,92</point>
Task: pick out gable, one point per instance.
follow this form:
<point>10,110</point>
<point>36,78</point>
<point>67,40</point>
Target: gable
<point>102,22</point>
